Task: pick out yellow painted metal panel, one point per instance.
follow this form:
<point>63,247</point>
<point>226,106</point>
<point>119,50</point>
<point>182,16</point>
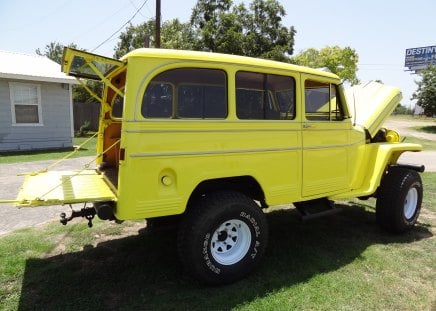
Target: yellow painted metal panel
<point>59,187</point>
<point>372,103</point>
<point>375,160</point>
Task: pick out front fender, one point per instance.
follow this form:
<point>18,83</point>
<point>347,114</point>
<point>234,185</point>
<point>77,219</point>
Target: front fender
<point>377,158</point>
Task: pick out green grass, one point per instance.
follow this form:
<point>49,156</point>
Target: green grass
<point>342,262</point>
<point>426,143</point>
<point>429,181</point>
<point>30,156</point>
<point>431,129</point>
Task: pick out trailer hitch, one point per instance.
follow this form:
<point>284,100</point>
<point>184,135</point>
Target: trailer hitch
<point>85,212</point>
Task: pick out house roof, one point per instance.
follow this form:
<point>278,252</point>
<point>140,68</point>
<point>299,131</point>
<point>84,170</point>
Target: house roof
<point>31,67</point>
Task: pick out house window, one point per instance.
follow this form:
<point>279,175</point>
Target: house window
<point>25,104</point>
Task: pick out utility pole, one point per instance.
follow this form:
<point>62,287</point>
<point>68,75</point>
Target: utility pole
<point>157,23</point>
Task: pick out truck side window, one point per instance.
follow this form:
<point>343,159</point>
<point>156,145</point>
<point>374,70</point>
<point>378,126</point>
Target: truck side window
<point>157,102</point>
<point>321,102</point>
<point>261,96</point>
<point>186,93</point>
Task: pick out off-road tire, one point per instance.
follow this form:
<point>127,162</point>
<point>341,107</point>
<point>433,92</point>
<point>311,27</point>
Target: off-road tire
<point>222,237</point>
<point>399,200</point>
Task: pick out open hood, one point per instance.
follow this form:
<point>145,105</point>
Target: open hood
<point>371,104</point>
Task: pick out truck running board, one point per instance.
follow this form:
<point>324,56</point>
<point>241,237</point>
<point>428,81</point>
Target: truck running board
<point>316,208</point>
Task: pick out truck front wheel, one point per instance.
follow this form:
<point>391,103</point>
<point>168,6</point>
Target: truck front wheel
<point>222,237</point>
<point>399,200</point>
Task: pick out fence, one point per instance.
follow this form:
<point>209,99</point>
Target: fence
<point>84,112</point>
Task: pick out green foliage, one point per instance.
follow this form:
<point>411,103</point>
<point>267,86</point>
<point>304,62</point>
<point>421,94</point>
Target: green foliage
<point>256,31</point>
<point>134,37</point>
<point>400,109</point>
<point>341,61</point>
<point>54,51</point>
<point>220,26</point>
<point>427,129</point>
<point>84,128</point>
<point>177,35</point>
<point>81,95</point>
<point>426,92</point>
<point>174,35</point>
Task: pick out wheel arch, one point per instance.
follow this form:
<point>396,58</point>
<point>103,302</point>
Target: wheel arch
<point>246,185</point>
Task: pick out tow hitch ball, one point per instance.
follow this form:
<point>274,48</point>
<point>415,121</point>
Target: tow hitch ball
<point>85,212</point>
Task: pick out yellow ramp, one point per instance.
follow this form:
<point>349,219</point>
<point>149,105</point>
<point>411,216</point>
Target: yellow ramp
<point>59,187</point>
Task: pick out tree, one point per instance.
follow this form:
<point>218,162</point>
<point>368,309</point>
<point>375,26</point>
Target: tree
<point>174,35</point>
<point>54,50</point>
<point>341,61</point>
<point>400,109</point>
<point>266,37</point>
<point>134,37</point>
<point>220,26</point>
<point>257,31</point>
<point>177,35</point>
<point>426,92</point>
<point>212,23</point>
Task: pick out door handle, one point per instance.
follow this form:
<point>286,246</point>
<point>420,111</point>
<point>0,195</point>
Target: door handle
<point>307,125</point>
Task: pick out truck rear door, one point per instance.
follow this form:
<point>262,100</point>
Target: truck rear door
<point>82,185</point>
<point>64,187</point>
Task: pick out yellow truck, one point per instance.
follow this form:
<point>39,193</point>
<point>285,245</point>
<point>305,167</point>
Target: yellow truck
<point>213,140</point>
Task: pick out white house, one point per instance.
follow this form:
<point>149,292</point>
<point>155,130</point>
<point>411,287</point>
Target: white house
<point>35,103</point>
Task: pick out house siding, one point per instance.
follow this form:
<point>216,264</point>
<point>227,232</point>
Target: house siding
<point>55,131</point>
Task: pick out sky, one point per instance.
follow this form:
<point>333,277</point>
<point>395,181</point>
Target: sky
<point>380,31</point>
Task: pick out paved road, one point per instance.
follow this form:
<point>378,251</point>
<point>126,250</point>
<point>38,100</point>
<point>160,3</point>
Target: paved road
<point>12,218</point>
<point>406,128</point>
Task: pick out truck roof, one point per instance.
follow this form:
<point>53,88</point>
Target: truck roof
<point>222,58</point>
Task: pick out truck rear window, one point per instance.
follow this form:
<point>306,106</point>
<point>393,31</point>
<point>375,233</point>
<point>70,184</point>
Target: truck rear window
<point>186,93</point>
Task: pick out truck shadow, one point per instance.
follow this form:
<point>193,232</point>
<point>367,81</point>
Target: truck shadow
<point>142,272</point>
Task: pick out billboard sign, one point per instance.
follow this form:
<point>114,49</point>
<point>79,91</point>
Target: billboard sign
<point>419,58</point>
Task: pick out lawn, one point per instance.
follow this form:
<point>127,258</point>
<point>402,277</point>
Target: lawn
<point>426,143</point>
<point>29,156</point>
<point>341,262</point>
<point>431,129</point>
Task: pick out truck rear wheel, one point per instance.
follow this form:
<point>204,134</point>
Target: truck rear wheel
<point>399,200</point>
<point>222,237</point>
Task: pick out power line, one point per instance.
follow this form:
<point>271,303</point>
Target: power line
<point>119,29</point>
<point>134,5</point>
<point>99,23</point>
